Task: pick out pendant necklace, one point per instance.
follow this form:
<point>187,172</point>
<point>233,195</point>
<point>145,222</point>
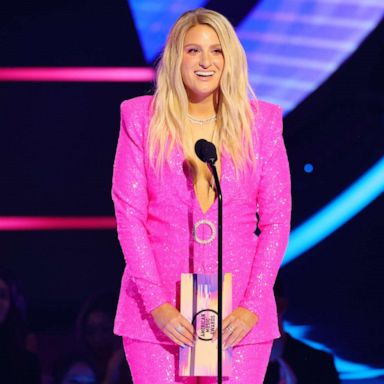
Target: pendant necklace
<point>201,122</point>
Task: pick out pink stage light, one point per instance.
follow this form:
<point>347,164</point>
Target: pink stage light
<point>23,223</point>
<point>80,74</point>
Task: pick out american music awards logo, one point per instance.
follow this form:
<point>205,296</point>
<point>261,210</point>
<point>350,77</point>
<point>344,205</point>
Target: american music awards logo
<point>205,323</point>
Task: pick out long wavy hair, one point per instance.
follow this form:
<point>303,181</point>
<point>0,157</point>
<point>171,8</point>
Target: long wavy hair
<point>13,329</point>
<point>170,103</point>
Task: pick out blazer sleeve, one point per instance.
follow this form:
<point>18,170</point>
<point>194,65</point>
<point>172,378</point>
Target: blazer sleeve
<point>274,208</point>
<point>130,197</point>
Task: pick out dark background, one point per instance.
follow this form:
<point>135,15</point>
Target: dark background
<point>57,143</point>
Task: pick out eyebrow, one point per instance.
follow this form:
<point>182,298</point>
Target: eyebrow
<point>198,45</point>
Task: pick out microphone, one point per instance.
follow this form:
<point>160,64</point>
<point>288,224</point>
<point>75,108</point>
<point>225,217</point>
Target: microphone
<point>206,151</point>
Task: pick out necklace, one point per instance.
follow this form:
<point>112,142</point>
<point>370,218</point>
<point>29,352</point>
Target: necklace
<point>201,121</point>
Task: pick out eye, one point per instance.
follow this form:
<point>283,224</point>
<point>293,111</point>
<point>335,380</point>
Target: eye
<point>218,51</point>
<point>192,50</point>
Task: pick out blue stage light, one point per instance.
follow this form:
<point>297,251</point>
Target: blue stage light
<point>288,53</point>
<point>154,19</point>
<point>348,370</point>
<point>308,168</point>
<point>349,203</point>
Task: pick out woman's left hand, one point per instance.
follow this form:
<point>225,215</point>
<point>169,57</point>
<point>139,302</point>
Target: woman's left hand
<point>236,326</point>
<point>112,375</point>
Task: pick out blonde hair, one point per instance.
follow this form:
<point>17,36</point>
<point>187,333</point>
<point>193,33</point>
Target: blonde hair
<point>170,102</point>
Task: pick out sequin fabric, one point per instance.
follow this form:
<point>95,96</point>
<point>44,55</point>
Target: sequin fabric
<point>156,363</point>
<point>156,214</point>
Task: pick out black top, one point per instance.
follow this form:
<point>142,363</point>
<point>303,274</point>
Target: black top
<point>308,364</point>
<point>19,367</point>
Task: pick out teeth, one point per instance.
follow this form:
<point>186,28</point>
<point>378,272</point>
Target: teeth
<point>199,73</point>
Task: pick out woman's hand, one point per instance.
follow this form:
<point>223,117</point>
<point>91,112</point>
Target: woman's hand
<point>174,324</point>
<point>115,362</point>
<point>236,326</point>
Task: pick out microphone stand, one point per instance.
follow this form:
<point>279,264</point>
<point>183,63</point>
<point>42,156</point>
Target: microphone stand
<point>206,152</point>
<point>219,273</point>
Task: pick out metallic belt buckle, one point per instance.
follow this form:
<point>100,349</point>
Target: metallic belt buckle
<point>210,225</point>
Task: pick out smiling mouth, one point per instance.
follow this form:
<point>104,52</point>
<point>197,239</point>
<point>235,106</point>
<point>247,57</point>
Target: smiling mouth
<point>204,74</point>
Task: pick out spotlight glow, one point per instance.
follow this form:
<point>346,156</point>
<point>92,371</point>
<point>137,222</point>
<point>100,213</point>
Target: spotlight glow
<point>345,206</point>
<point>99,74</point>
<point>308,168</point>
<point>43,223</point>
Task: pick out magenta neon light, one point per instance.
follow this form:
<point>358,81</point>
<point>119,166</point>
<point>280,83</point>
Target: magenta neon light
<point>24,223</point>
<point>94,74</point>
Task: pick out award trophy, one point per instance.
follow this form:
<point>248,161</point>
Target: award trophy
<point>199,304</point>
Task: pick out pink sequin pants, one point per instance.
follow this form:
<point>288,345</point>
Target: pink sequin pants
<point>158,364</point>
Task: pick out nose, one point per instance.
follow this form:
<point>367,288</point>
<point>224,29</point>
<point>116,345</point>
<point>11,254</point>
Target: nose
<point>205,60</point>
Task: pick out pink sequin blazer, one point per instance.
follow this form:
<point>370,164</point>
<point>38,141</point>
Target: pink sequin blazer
<point>156,216</point>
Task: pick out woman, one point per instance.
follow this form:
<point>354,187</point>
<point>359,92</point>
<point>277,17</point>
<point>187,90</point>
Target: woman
<point>166,209</point>
<point>17,364</point>
<point>98,343</point>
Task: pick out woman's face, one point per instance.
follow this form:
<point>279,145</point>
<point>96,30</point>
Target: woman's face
<point>202,63</point>
<point>5,301</point>
<point>99,330</point>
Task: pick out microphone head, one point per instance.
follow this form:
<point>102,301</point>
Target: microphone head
<point>206,151</point>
